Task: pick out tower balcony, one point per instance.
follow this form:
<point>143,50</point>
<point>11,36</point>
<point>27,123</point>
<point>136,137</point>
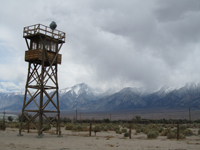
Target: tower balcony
<point>32,31</point>
<point>35,56</point>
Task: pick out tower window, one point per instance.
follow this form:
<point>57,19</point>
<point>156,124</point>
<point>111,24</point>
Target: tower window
<point>53,47</point>
<point>34,45</point>
<point>40,45</point>
<point>47,45</point>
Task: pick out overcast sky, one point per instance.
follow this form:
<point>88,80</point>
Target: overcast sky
<point>109,43</point>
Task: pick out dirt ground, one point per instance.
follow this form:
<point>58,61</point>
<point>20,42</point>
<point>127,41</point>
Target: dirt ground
<point>81,141</point>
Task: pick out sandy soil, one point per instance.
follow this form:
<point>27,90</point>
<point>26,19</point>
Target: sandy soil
<point>81,141</point>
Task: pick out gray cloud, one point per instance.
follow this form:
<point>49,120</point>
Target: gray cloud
<point>111,43</point>
<point>173,10</point>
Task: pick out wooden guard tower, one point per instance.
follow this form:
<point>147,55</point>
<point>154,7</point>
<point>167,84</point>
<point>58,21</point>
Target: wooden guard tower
<point>41,91</point>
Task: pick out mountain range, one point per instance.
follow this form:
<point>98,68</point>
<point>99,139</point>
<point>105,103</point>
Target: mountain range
<point>83,97</point>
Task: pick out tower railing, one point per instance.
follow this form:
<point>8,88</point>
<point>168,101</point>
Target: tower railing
<point>39,28</point>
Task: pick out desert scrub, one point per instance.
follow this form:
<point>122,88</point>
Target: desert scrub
<point>165,132</point>
<point>28,126</point>
<point>12,124</point>
<point>171,135</point>
<point>181,136</point>
<point>46,127</point>
<point>187,132</point>
<point>110,127</point>
<point>137,126</point>
<point>96,129</point>
<point>17,125</point>
<point>129,125</point>
<point>116,128</point>
<point>152,134</point>
<point>142,129</point>
<point>134,126</point>
<point>169,126</point>
<point>150,127</point>
<point>126,134</point>
<point>124,130</point>
<point>85,128</point>
<point>145,130</point>
<point>160,129</point>
<point>62,125</point>
<point>105,129</point>
<point>117,131</point>
<point>69,126</point>
<point>155,128</point>
<point>2,127</point>
<point>138,130</point>
<point>182,128</point>
<point>78,128</point>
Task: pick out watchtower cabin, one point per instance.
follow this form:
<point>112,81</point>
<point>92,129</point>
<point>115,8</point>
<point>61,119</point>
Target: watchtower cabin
<point>43,38</point>
<point>41,90</point>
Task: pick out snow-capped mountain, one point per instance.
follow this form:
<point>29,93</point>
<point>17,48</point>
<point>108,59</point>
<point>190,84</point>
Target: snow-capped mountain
<point>78,97</point>
<point>11,101</point>
<point>80,89</point>
<point>83,97</point>
<point>127,98</point>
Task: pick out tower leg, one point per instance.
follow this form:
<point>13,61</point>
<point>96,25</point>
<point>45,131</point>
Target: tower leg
<point>43,69</point>
<point>20,128</point>
<point>58,126</point>
<point>22,115</point>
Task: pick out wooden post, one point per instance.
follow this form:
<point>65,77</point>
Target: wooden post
<point>76,115</point>
<point>189,116</point>
<point>177,130</point>
<point>130,127</point>
<point>4,126</point>
<point>28,127</point>
<point>90,130</point>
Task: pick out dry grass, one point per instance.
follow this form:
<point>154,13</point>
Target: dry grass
<point>108,137</point>
<point>122,138</point>
<point>193,143</point>
<point>83,134</point>
<point>30,131</point>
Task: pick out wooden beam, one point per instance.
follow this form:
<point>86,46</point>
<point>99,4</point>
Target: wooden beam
<point>50,99</point>
<point>47,102</point>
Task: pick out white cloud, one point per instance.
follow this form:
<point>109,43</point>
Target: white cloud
<point>9,87</point>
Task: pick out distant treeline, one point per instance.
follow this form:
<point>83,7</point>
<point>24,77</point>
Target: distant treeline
<point>136,120</point>
<point>142,121</point>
